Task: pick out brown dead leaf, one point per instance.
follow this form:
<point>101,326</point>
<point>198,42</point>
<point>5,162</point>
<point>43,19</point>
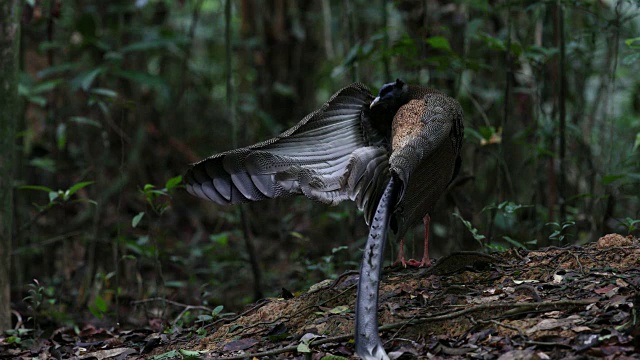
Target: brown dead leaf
<point>107,354</point>
<point>241,344</point>
<point>548,324</point>
<point>606,289</point>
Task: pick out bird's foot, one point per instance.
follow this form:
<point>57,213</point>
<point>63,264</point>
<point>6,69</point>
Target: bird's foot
<point>418,264</point>
<point>398,264</point>
<point>411,263</point>
<point>426,262</point>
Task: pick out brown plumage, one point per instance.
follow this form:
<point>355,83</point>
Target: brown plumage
<point>427,135</point>
<point>404,143</point>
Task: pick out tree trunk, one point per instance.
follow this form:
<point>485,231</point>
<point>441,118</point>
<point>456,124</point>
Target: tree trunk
<point>9,40</point>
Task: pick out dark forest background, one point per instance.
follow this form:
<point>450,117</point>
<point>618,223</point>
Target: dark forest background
<point>118,97</point>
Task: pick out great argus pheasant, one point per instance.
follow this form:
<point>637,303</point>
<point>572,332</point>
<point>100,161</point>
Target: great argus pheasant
<point>393,154</point>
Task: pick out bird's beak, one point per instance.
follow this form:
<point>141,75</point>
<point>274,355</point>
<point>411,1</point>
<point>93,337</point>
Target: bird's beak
<point>374,102</point>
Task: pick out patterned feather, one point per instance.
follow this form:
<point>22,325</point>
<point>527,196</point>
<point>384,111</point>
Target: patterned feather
<point>404,143</point>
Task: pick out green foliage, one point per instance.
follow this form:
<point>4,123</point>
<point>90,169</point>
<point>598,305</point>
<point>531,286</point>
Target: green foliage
<point>158,199</point>
<point>61,196</point>
<point>328,264</point>
<point>503,216</point>
<point>560,231</point>
<point>35,297</point>
<point>630,224</point>
<point>16,336</point>
<point>98,307</point>
<point>39,301</point>
<point>507,207</point>
<point>474,232</point>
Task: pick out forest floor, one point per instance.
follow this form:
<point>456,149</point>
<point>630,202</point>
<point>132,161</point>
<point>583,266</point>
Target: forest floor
<point>554,303</point>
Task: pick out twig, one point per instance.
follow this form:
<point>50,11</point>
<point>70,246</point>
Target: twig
<point>174,303</point>
<point>493,306</point>
<point>498,323</point>
<point>545,343</point>
<point>393,337</point>
<point>289,348</point>
<point>245,313</point>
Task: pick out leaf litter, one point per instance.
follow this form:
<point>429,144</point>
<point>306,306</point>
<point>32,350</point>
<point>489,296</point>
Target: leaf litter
<point>554,303</point>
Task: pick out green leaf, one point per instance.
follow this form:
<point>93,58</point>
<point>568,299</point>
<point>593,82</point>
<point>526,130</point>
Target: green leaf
<point>61,136</point>
<point>149,45</point>
<point>104,92</point>
<point>38,100</point>
<point>35,187</point>
<point>57,69</point>
<point>45,86</point>
<point>339,248</point>
<point>439,42</point>
<point>303,348</point>
<point>192,352</point>
<point>13,340</point>
<point>85,120</point>
<point>44,163</point>
<point>633,43</point>
<point>141,78</point>
<point>171,183</point>
<point>136,219</point>
<point>84,80</point>
<point>220,239</point>
<point>176,284</point>
<point>173,354</point>
<point>637,142</point>
<point>340,309</point>
<point>98,307</point>
<point>513,242</point>
<point>217,310</point>
<point>486,131</point>
<point>474,232</point>
<point>74,189</point>
<point>100,303</point>
<point>493,42</point>
<point>608,179</point>
<point>53,195</point>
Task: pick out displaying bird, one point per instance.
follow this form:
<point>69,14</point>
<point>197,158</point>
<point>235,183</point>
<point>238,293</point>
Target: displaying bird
<point>394,155</point>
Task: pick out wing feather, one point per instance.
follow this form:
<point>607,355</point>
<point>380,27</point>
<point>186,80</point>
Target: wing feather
<point>330,156</point>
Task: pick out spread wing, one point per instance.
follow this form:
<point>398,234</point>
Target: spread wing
<point>332,155</point>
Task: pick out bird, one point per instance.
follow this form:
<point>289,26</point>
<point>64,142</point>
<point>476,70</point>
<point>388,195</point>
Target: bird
<point>393,155</point>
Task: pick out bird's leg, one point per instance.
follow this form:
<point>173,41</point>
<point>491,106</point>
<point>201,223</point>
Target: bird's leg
<point>400,260</point>
<point>426,262</point>
<point>425,257</point>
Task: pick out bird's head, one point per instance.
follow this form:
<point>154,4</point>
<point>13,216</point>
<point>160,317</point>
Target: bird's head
<point>392,95</point>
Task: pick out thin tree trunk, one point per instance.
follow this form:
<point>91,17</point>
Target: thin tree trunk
<point>9,48</point>
<point>562,113</point>
<point>246,228</point>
